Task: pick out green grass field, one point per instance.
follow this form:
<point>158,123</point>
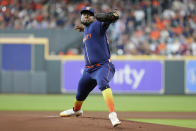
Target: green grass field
<point>172,122</point>
<point>144,103</point>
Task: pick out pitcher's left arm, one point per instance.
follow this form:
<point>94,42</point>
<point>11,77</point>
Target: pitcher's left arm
<point>110,17</point>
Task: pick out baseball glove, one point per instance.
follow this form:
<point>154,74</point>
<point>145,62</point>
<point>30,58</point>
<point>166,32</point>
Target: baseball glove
<point>107,17</point>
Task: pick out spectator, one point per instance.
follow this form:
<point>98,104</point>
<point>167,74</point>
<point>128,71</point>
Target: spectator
<point>157,27</point>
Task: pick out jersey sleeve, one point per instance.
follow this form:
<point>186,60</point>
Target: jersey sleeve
<point>103,26</point>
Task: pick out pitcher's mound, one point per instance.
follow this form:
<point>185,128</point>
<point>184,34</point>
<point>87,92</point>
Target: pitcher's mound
<point>90,121</point>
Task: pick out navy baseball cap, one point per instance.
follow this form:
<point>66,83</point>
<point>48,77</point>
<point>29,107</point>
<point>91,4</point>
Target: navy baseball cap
<point>88,9</point>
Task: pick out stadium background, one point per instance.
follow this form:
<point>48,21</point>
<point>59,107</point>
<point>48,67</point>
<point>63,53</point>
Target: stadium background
<point>153,47</point>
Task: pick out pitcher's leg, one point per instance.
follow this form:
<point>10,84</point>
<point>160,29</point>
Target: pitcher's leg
<point>85,86</point>
<point>103,77</point>
<point>108,97</point>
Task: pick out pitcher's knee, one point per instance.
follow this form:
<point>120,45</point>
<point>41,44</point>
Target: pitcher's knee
<point>102,88</point>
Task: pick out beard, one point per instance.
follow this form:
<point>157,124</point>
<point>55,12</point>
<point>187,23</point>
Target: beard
<point>86,22</point>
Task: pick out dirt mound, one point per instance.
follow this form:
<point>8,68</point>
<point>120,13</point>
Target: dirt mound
<point>91,121</point>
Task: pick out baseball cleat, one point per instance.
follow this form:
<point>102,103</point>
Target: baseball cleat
<point>71,112</point>
<point>114,119</point>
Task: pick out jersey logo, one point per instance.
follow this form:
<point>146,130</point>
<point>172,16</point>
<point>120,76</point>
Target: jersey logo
<point>87,36</point>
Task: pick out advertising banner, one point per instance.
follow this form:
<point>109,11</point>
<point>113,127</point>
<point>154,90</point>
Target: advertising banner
<point>16,57</point>
<point>130,76</point>
<point>191,77</point>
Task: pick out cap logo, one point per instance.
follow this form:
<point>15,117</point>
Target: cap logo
<point>88,8</point>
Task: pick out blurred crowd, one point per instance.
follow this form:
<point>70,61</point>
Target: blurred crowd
<point>145,27</point>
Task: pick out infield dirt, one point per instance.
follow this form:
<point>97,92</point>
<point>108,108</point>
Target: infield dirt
<point>90,121</point>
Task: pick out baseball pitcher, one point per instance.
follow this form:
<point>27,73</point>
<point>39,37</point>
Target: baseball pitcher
<point>99,69</point>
